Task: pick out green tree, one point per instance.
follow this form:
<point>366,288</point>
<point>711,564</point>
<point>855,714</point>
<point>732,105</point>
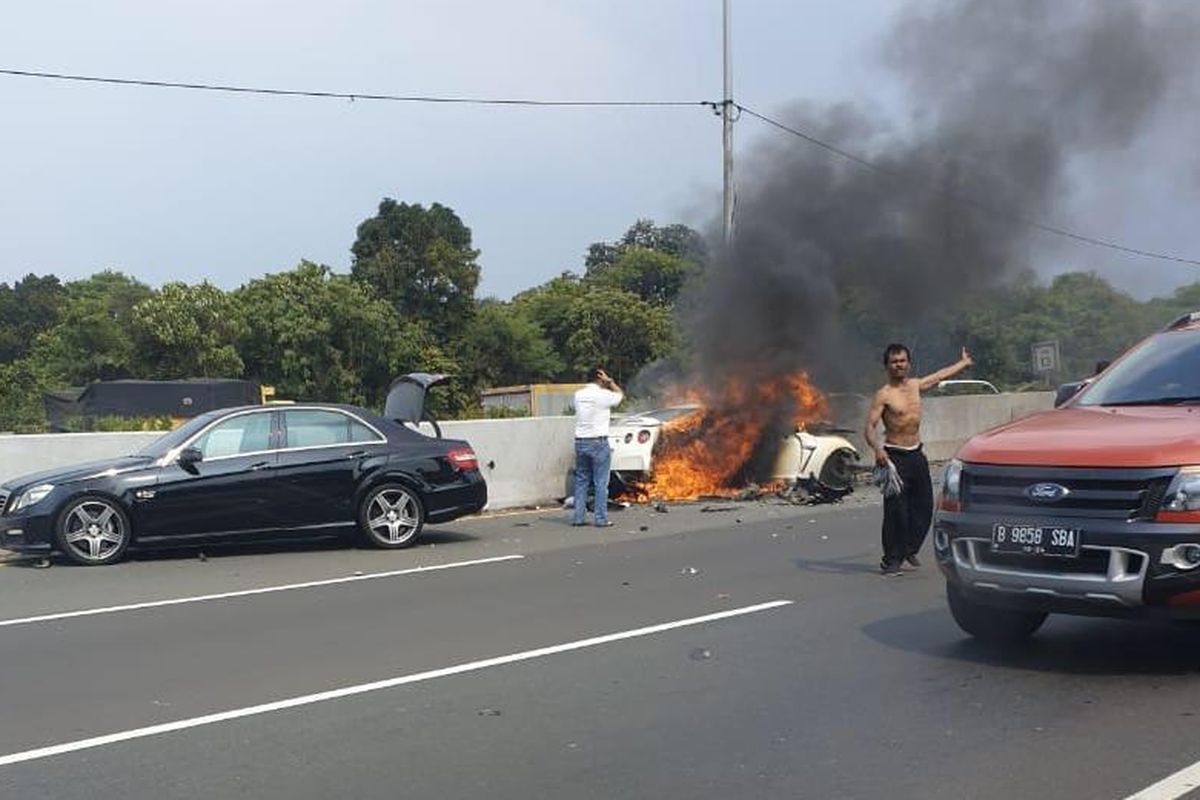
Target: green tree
<point>92,339</point>
<point>654,276</point>
<point>21,387</point>
<point>420,260</point>
<point>30,307</point>
<point>549,306</point>
<point>675,240</point>
<point>188,331</point>
<point>319,336</point>
<point>619,330</point>
<point>503,346</point>
<point>589,324</point>
<point>1163,310</point>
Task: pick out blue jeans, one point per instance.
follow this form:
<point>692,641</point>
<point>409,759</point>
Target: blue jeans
<point>592,460</point>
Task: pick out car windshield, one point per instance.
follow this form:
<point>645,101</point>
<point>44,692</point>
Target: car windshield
<point>168,441</point>
<point>1165,370</point>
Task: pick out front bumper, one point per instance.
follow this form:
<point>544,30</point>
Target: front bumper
<point>1118,571</point>
<point>27,531</point>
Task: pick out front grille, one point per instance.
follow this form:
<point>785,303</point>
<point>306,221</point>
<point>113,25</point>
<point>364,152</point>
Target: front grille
<point>1091,561</point>
<point>3,502</point>
<point>1098,493</point>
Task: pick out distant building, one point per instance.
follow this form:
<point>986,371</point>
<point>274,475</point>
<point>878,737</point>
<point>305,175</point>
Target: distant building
<point>533,399</point>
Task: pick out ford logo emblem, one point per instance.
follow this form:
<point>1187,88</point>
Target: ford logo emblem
<point>1046,492</point>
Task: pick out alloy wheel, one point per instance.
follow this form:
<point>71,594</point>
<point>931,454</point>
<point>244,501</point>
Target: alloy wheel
<point>393,516</point>
<point>94,530</point>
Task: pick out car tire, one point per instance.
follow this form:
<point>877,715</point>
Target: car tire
<point>93,531</point>
<point>990,624</point>
<point>391,516</point>
<point>838,470</point>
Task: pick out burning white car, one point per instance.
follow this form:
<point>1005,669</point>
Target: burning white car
<point>826,457</point>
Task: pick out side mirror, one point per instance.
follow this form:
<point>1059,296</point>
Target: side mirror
<point>1067,391</point>
<point>189,457</point>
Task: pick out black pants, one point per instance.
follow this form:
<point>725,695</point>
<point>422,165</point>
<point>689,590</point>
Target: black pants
<point>906,516</point>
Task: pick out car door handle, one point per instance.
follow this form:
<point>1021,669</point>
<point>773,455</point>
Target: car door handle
<point>259,465</point>
<point>357,454</point>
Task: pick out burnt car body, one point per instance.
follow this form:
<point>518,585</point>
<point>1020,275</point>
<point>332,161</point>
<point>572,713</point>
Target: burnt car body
<point>249,471</point>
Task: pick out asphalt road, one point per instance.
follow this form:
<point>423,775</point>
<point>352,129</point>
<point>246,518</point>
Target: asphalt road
<point>744,651</point>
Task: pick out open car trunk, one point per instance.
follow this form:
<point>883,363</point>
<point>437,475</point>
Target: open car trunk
<point>406,399</point>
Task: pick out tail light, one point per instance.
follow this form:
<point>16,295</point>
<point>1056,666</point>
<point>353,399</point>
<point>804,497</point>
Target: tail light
<point>463,459</point>
<point>643,437</point>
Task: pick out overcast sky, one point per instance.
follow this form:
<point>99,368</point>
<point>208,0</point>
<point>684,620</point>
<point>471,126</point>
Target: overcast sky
<point>169,184</point>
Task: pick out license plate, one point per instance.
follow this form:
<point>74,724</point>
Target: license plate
<point>1036,540</point>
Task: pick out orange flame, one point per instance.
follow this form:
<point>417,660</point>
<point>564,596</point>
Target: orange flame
<point>709,452</point>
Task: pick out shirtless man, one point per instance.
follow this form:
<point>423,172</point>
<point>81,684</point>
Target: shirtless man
<point>906,516</point>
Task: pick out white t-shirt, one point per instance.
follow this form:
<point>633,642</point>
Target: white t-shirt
<point>593,410</point>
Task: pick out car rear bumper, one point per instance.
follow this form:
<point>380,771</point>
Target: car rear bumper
<point>1118,572</point>
<point>458,499</point>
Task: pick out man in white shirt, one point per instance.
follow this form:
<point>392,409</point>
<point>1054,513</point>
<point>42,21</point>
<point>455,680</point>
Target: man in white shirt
<point>593,410</point>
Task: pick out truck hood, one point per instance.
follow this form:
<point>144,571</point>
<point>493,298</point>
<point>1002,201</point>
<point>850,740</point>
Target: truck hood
<point>1097,436</point>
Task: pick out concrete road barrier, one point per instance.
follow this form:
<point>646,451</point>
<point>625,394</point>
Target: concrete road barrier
<point>526,460</point>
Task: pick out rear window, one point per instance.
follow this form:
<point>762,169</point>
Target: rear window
<point>1164,370</point>
<point>316,428</point>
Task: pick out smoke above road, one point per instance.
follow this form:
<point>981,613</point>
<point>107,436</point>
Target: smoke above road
<point>1003,99</point>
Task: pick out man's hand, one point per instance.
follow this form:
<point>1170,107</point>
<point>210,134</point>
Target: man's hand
<point>966,359</point>
<point>607,382</point>
<point>881,457</point>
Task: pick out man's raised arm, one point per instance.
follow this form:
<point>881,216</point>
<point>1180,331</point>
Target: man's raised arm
<point>933,379</point>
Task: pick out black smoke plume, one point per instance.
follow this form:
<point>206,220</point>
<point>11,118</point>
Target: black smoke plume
<point>831,260</point>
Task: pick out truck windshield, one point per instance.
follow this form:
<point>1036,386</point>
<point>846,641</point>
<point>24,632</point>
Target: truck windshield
<point>1165,370</point>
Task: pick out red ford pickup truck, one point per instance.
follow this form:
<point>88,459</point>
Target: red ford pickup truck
<point>1092,508</point>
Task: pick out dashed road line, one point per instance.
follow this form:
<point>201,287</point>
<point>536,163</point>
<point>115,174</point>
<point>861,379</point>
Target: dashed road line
<point>363,688</point>
<point>202,598</point>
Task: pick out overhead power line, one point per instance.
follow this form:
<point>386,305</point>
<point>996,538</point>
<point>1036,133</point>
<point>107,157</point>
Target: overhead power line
<point>394,98</point>
<point>1079,237</point>
<point>518,101</point>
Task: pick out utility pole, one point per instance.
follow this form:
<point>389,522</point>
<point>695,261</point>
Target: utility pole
<point>727,132</point>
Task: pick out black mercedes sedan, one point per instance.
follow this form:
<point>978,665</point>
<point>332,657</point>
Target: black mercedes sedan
<point>253,471</point>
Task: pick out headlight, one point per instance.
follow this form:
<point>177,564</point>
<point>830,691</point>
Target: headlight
<point>32,495</point>
<point>1184,492</point>
<point>952,486</point>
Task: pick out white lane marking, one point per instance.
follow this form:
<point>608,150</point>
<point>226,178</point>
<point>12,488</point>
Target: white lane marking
<point>1171,787</point>
<point>175,601</point>
<point>362,688</point>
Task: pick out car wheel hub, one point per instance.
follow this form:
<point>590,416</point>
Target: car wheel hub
<point>94,530</point>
